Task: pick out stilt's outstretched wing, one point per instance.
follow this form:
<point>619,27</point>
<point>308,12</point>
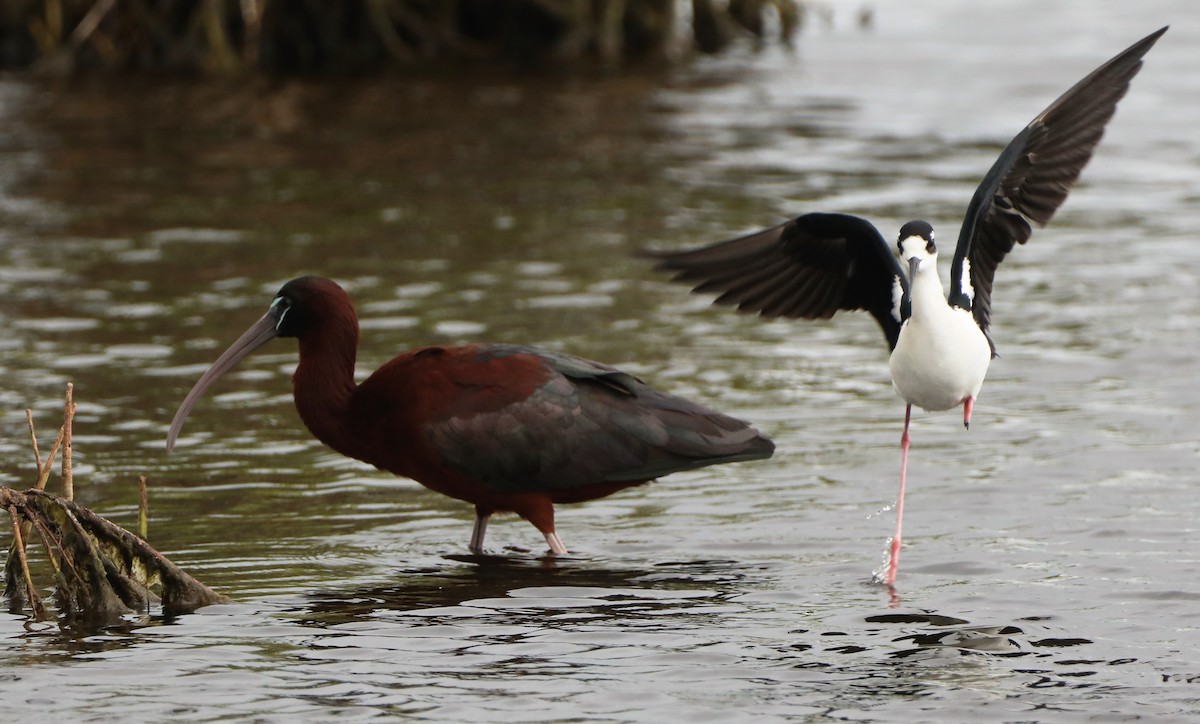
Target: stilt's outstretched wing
<point>808,268</point>
<point>1033,176</point>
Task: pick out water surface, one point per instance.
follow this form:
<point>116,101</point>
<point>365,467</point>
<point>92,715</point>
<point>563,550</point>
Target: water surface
<point>1050,565</point>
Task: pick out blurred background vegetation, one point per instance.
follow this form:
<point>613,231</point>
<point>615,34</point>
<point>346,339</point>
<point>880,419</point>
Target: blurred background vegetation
<point>223,37</point>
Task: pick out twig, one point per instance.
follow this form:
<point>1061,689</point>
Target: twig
<point>68,478</point>
<point>252,24</point>
<point>380,14</point>
<point>51,26</point>
<point>610,36</point>
<point>52,543</point>
<point>143,508</point>
<point>221,56</point>
<point>37,455</point>
<point>44,475</point>
<point>90,22</point>
<point>35,602</point>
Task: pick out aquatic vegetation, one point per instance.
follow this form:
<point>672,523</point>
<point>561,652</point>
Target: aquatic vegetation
<point>102,571</point>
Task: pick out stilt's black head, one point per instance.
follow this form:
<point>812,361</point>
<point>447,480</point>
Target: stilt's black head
<point>920,229</point>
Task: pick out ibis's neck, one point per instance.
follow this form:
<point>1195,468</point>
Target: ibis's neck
<point>324,383</point>
<point>927,294</point>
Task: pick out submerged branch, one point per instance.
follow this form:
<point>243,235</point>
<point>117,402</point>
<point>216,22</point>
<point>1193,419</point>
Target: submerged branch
<point>103,571</point>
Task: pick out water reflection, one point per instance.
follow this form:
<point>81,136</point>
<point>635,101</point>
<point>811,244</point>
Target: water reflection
<point>515,584</point>
<point>505,618</point>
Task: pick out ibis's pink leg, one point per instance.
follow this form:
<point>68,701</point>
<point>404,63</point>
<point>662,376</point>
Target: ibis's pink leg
<point>968,405</point>
<point>481,521</point>
<point>538,509</point>
<point>556,544</point>
<point>894,552</point>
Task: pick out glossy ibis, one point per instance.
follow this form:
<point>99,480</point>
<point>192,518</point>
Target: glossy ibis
<point>820,263</point>
<point>503,427</point>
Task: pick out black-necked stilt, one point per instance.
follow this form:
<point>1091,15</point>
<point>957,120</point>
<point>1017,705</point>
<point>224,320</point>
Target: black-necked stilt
<point>819,263</point>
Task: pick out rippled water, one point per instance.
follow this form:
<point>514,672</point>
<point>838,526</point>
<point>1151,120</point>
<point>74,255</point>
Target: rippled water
<point>1051,555</point>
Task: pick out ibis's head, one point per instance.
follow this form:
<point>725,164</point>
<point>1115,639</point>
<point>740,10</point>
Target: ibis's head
<point>304,307</point>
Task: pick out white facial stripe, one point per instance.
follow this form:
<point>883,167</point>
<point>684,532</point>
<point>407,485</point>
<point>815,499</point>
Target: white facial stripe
<point>286,308</point>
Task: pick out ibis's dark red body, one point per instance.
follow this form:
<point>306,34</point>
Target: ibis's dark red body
<point>505,428</point>
<point>404,419</point>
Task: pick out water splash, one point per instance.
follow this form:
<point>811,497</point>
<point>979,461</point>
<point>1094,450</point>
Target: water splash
<point>879,575</point>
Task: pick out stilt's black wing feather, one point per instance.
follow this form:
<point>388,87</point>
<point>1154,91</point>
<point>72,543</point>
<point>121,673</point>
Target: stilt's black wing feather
<point>1033,176</point>
<point>810,268</point>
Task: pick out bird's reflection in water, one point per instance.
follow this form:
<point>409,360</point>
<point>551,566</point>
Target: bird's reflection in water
<point>492,577</point>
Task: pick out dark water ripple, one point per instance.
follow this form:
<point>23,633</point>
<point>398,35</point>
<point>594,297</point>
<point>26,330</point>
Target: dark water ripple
<point>601,642</point>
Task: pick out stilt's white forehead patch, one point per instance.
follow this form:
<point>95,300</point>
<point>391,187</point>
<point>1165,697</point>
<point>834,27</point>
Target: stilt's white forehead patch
<point>911,246</point>
<point>965,287</point>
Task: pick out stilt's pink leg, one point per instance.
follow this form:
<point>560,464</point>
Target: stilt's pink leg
<point>894,552</point>
<point>968,405</point>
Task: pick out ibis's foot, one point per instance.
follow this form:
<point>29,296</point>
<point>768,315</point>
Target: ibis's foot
<point>477,533</point>
<point>556,544</point>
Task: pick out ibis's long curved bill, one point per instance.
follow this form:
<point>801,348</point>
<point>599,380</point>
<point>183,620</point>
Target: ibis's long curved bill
<point>262,332</point>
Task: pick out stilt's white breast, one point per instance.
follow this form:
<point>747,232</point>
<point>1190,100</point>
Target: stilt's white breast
<point>940,359</point>
<point>941,356</point>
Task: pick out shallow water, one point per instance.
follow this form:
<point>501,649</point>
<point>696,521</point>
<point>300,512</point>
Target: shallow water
<point>1050,565</point>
